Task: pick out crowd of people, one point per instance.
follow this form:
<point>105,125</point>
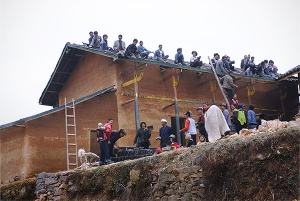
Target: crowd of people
<point>213,123</point>
<point>223,66</point>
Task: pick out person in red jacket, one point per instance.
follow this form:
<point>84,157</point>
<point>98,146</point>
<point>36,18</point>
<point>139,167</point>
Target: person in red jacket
<point>104,141</point>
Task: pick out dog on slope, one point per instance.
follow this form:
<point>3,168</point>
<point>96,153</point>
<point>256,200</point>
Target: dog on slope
<point>87,157</point>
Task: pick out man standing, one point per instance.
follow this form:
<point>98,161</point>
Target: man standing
<point>119,45</point>
<point>220,67</point>
<point>215,60</point>
<point>228,84</point>
<point>143,51</point>
<point>104,142</point>
<point>226,116</point>
<point>201,123</point>
<point>131,50</point>
<point>190,126</point>
<point>114,137</point>
<point>251,118</point>
<point>179,58</point>
<point>91,37</point>
<point>95,43</point>
<point>164,132</point>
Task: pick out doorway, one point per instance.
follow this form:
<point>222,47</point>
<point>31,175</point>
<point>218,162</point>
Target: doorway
<point>181,125</point>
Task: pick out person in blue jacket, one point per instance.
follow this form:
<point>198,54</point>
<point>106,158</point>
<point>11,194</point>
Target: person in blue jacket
<point>179,58</point>
<point>164,132</point>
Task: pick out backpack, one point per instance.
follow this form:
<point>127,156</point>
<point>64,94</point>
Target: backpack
<point>100,134</point>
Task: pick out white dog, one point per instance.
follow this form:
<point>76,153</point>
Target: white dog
<point>86,157</point>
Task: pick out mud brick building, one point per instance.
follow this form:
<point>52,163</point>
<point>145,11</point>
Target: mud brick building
<point>104,85</point>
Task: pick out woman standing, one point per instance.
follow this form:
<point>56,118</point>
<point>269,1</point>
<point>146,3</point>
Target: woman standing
<point>190,126</point>
<point>142,136</point>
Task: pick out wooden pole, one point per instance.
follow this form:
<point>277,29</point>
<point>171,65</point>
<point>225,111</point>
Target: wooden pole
<point>220,86</point>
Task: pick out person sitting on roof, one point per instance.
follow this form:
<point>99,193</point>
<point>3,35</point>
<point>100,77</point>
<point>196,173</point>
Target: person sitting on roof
<point>260,70</point>
<point>243,62</point>
<point>272,68</point>
<point>179,58</point>
<point>131,50</point>
<point>228,64</point>
<point>119,45</point>
<point>104,43</point>
<point>95,43</point>
<point>215,60</point>
<point>246,62</point>
<point>90,39</point>
<point>220,67</point>
<point>144,53</point>
<point>195,61</point>
<point>266,70</point>
<point>228,84</point>
<point>160,55</point>
<point>250,71</point>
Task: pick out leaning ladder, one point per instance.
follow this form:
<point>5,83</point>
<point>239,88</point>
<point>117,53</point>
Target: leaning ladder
<point>71,140</point>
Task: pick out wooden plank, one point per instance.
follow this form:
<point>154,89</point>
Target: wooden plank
<point>170,105</point>
<point>126,102</point>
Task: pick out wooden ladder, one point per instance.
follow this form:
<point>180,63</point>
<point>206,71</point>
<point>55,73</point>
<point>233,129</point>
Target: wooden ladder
<point>71,140</point>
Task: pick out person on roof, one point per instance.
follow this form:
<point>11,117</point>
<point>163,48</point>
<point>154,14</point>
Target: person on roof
<point>104,43</point>
<point>131,50</point>
<point>95,43</point>
<point>142,136</point>
<point>228,84</point>
<point>179,58</point>
<point>144,53</point>
<point>160,55</point>
<point>91,37</point>
<point>243,62</point>
<point>119,45</point>
<point>272,68</point>
<point>215,60</point>
<point>114,137</point>
<point>220,67</point>
<point>260,70</point>
<point>228,64</point>
<point>164,132</point>
<point>250,71</point>
<point>190,126</point>
<point>195,61</point>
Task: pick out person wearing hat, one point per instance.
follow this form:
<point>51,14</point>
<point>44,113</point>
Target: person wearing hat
<point>215,60</point>
<point>114,137</point>
<point>179,58</point>
<point>164,132</point>
<point>195,61</point>
<point>142,136</point>
<point>190,126</point>
<point>228,84</point>
<point>201,123</point>
<point>226,114</point>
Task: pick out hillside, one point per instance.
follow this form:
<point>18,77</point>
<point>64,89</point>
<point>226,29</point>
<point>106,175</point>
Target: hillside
<point>262,166</point>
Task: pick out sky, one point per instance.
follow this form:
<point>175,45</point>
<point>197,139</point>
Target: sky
<point>34,33</point>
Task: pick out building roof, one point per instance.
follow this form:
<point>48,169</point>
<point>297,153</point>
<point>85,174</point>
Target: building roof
<point>72,53</point>
<point>22,121</point>
<point>288,75</point>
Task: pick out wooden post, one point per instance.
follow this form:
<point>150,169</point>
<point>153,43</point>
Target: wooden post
<point>220,86</point>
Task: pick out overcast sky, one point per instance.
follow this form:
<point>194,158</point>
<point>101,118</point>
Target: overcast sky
<point>34,32</point>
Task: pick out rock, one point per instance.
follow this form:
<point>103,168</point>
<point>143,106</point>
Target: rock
<point>49,181</point>
<point>293,124</point>
<point>158,194</point>
<point>188,188</point>
<point>167,178</point>
<point>169,192</point>
<point>63,178</point>
<point>173,198</point>
<point>201,192</point>
<point>199,174</point>
<point>164,198</point>
<point>134,175</point>
<point>245,131</point>
<point>56,198</point>
<point>186,197</point>
<point>50,188</point>
<point>63,186</point>
<point>182,177</point>
<point>41,175</point>
<point>57,191</point>
<point>39,187</point>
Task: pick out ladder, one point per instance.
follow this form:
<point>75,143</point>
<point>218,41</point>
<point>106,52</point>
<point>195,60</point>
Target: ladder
<point>71,140</point>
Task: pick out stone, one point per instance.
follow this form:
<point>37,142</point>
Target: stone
<point>63,178</point>
<point>245,131</point>
<point>57,191</point>
<point>195,188</point>
<point>183,176</point>
<point>63,186</point>
<point>48,175</point>
<point>201,192</point>
<point>186,197</point>
<point>49,181</point>
<point>56,198</point>
<point>199,174</point>
<point>50,188</point>
<point>41,175</point>
<point>158,194</point>
<point>164,198</point>
<point>134,175</point>
<point>167,178</point>
<point>173,198</point>
<point>293,124</point>
<point>72,188</point>
<point>169,192</point>
<point>39,187</point>
<point>38,181</point>
<point>188,188</point>
<point>194,192</point>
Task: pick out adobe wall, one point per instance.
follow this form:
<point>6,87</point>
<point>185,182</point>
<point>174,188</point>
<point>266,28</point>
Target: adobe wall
<point>92,73</point>
<point>41,145</point>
